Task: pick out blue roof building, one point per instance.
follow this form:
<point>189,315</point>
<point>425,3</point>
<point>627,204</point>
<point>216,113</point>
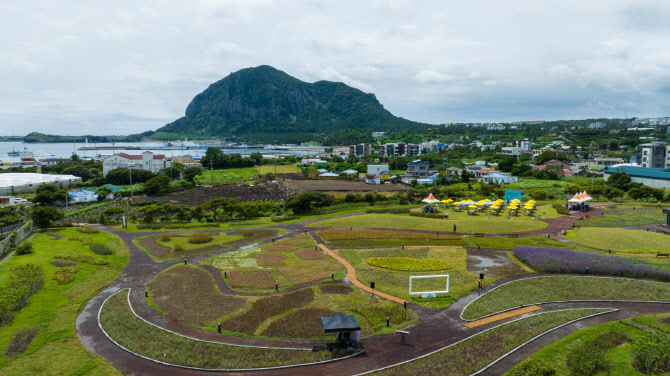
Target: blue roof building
<point>651,177</point>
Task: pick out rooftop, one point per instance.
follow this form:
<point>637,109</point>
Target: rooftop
<point>641,172</point>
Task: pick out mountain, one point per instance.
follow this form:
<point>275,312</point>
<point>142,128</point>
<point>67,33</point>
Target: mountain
<point>266,104</point>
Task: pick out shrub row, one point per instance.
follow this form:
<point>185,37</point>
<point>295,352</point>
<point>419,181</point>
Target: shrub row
<point>149,226</point>
<point>66,274</point>
<point>86,259</point>
<point>191,225</point>
<point>283,218</point>
<point>88,230</point>
<point>200,237</point>
<point>427,215</point>
<point>555,260</point>
<point>408,264</point>
<point>389,210</point>
<point>23,282</point>
<point>101,249</point>
<point>560,209</point>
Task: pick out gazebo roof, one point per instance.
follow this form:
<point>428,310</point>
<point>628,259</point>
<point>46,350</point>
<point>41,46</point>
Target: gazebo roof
<point>339,322</point>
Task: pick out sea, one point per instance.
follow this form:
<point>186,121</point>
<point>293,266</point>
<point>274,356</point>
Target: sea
<point>44,150</point>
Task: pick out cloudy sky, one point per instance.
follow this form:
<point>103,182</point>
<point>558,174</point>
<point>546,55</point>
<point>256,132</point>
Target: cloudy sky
<point>120,67</point>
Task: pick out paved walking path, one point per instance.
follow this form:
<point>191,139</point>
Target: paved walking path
<point>501,316</point>
<point>435,329</point>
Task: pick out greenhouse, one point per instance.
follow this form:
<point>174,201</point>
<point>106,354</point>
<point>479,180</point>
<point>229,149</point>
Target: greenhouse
<point>13,183</point>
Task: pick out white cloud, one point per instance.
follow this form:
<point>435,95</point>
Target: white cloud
<point>84,67</point>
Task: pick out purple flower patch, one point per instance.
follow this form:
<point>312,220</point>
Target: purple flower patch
<point>555,260</point>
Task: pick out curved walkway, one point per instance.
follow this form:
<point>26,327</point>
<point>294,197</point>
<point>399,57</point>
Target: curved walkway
<point>435,329</point>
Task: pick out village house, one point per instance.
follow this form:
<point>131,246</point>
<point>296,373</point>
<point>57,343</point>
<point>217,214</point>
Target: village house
<point>147,161</point>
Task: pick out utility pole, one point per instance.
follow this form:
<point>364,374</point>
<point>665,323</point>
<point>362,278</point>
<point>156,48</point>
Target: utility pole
<point>211,167</point>
<point>130,172</point>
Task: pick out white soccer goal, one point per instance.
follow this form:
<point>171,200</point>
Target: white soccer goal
<point>446,290</point>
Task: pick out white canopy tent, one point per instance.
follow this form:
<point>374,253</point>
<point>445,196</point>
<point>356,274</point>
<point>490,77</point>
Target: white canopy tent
<point>431,200</point>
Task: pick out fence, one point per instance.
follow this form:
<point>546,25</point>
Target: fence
<point>21,234</point>
<point>6,230</point>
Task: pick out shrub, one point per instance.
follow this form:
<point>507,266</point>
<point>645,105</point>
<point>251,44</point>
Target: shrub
<point>87,259</point>
<point>376,315</point>
<point>408,264</point>
<point>248,232</point>
<point>303,324</point>
<point>651,355</point>
<point>165,237</point>
<point>62,264</point>
<point>560,209</point>
<point>85,240</point>
<point>178,247</point>
<point>555,260</point>
<point>533,367</point>
<point>101,249</point>
<point>24,248</point>
<point>589,358</point>
<point>20,341</point>
<point>88,230</point>
<point>23,281</point>
<point>200,237</point>
<point>66,274</point>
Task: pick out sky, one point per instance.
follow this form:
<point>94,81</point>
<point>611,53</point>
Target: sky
<point>123,67</point>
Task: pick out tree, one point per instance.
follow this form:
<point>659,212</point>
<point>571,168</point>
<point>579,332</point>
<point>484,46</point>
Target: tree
<point>619,180</point>
<point>47,194</point>
<point>596,191</point>
<point>190,173</point>
<point>42,216</point>
<point>79,170</point>
<point>549,155</point>
<point>572,189</point>
<point>102,193</point>
<point>308,201</point>
<point>612,193</point>
<point>506,163</point>
<point>157,185</point>
<point>465,176</point>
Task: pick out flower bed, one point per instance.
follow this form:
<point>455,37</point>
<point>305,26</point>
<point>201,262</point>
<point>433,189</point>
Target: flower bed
<point>625,218</point>
<point>303,324</point>
<point>555,260</point>
<point>200,237</point>
<point>264,308</point>
<point>270,259</point>
<point>310,254</point>
<point>380,234</point>
<point>82,258</point>
<point>408,264</point>
<point>259,279</point>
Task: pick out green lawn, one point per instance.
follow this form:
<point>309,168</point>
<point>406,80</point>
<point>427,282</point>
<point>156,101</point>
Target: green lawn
<point>473,354</point>
<point>464,223</point>
<point>630,241</point>
<point>625,218</point>
<point>618,358</point>
<point>545,289</point>
<point>54,309</point>
<point>396,283</point>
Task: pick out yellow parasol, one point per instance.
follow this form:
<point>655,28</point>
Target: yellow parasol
<point>472,206</point>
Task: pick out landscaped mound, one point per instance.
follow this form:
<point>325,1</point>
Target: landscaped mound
<point>555,260</point>
<point>188,294</point>
<point>408,264</point>
<point>303,324</point>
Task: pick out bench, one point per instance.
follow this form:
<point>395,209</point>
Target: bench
<point>666,255</point>
<point>479,234</point>
<point>513,235</point>
<point>401,336</point>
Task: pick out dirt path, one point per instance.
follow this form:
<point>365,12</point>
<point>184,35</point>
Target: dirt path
<point>435,329</point>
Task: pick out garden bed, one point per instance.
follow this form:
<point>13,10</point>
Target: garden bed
<point>475,353</point>
<point>564,288</point>
<point>626,218</point>
<point>140,337</point>
<point>629,241</point>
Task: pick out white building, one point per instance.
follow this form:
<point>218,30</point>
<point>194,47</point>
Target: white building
<point>147,161</point>
<point>377,170</point>
<point>513,151</point>
<point>380,134</point>
<point>598,125</point>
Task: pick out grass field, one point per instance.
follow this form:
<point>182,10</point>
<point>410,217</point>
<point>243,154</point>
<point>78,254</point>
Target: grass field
<point>545,289</point>
<point>617,359</point>
<point>475,353</point>
<point>626,218</point>
<point>464,223</point>
<point>54,309</point>
<point>396,283</point>
<point>134,334</point>
<point>630,241</point>
<point>287,262</point>
<point>226,176</point>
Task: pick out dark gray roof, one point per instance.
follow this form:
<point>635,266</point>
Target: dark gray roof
<point>340,322</point>
<point>641,172</point>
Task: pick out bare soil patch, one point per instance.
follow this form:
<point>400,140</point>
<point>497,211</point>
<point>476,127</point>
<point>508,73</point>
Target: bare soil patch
<point>20,341</point>
<point>491,262</point>
<point>343,186</point>
<point>188,294</point>
<point>240,192</point>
